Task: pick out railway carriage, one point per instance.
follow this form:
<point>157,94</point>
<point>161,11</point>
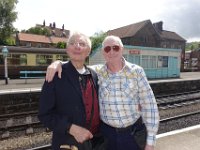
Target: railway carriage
<point>30,59</point>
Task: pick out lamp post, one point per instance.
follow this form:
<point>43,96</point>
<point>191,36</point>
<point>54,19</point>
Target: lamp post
<point>5,54</point>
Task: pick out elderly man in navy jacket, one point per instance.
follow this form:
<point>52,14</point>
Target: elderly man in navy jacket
<point>69,106</point>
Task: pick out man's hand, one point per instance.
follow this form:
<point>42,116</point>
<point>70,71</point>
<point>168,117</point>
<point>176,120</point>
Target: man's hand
<point>80,134</point>
<point>54,67</point>
<point>149,147</point>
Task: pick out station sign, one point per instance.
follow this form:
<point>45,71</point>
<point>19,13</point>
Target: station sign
<point>134,51</point>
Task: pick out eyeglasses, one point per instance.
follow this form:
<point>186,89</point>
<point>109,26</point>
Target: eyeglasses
<point>81,44</point>
<point>115,48</point>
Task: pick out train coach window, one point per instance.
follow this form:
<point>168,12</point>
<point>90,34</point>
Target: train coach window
<point>14,59</point>
<point>23,59</point>
<point>62,57</point>
<point>44,59</point>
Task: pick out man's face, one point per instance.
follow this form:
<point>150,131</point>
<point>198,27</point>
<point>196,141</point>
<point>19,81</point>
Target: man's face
<point>112,51</point>
<point>78,49</point>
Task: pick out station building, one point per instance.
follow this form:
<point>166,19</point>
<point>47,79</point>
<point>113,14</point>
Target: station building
<point>157,62</point>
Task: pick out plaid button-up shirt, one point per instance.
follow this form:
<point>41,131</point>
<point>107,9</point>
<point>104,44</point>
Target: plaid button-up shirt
<point>125,96</point>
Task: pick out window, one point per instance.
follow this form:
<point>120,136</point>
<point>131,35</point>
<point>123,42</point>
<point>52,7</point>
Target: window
<point>145,61</point>
<point>14,59</point>
<point>172,46</point>
<point>179,47</point>
<point>164,46</point>
<point>162,61</point>
<point>149,61</point>
<point>39,45</point>
<point>28,44</point>
<point>152,62</point>
<point>135,59</point>
<point>62,57</point>
<point>23,59</point>
<point>43,59</point>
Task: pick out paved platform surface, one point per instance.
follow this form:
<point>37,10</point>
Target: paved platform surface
<point>184,139</point>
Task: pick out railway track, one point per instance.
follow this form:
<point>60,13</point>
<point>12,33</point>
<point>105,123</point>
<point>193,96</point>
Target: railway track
<point>163,122</point>
<point>178,99</point>
<point>20,114</point>
<point>179,116</point>
<point>179,121</point>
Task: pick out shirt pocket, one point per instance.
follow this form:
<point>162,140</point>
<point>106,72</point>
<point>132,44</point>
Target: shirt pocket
<point>104,88</point>
<point>130,88</point>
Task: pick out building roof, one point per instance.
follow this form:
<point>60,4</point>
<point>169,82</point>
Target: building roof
<point>132,29</point>
<point>40,38</point>
<point>171,35</point>
<point>129,30</point>
<point>58,32</point>
<point>57,39</point>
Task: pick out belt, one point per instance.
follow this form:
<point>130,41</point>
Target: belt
<point>129,128</point>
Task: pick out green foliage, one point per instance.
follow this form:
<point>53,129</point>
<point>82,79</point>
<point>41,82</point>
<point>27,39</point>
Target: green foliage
<point>10,41</point>
<point>38,31</point>
<point>97,39</point>
<point>192,46</point>
<point>7,17</point>
<point>61,45</point>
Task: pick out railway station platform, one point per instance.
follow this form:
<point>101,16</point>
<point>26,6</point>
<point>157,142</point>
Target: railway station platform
<point>37,83</point>
<point>183,139</point>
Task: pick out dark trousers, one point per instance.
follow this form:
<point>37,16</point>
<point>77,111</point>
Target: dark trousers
<point>119,139</point>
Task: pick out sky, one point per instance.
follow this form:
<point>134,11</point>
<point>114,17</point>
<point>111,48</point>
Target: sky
<point>92,16</point>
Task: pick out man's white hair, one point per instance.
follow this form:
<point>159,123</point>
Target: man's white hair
<point>114,38</point>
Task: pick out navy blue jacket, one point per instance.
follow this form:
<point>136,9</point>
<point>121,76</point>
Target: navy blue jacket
<point>61,104</point>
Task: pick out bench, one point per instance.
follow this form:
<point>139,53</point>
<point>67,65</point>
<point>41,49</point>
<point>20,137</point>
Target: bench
<point>32,75</point>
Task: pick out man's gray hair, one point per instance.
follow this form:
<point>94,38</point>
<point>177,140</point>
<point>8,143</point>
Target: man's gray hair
<point>114,38</point>
<point>77,33</point>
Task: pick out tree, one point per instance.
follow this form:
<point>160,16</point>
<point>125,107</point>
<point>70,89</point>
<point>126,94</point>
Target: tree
<point>7,17</point>
<point>97,39</point>
<point>61,45</point>
<point>38,31</point>
<point>192,47</point>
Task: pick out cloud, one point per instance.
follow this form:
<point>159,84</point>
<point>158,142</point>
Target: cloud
<point>182,17</point>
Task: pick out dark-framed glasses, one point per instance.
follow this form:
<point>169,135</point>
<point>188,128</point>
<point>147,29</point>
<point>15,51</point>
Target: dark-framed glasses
<point>115,48</point>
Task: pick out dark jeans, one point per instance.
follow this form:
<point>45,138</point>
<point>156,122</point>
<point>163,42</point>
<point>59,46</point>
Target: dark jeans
<point>122,139</point>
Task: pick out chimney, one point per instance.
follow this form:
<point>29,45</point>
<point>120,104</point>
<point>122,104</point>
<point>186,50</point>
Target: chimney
<point>63,26</point>
<point>54,25</point>
<point>44,23</point>
<point>158,25</point>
